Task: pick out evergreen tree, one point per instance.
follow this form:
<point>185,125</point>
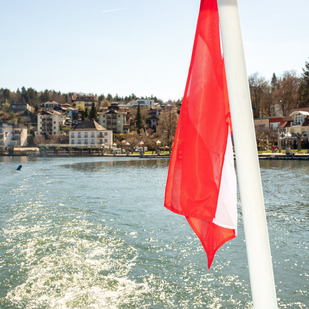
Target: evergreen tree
<point>6,94</point>
<point>44,96</point>
<point>139,121</point>
<point>86,113</point>
<point>26,98</point>
<point>274,82</point>
<point>32,94</point>
<point>109,97</point>
<point>83,115</point>
<point>93,112</point>
<point>101,97</point>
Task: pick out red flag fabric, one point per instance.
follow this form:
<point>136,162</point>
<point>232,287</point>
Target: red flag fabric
<point>201,183</point>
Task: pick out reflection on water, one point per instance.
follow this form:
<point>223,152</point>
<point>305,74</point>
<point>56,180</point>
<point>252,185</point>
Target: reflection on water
<point>118,163</point>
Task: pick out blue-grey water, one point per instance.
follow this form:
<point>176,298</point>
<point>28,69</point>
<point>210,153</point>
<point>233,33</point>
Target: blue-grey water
<point>93,233</point>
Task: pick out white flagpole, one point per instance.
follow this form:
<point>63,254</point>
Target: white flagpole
<point>248,169</point>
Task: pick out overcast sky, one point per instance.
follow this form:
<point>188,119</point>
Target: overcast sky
<point>135,46</point>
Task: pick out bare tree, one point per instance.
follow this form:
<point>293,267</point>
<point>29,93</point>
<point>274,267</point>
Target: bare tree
<point>260,95</point>
<point>167,125</point>
<point>133,141</point>
<point>39,139</point>
<point>286,94</point>
<point>299,136</point>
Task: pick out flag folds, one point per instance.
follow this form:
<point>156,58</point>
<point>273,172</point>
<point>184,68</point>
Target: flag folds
<point>201,183</point>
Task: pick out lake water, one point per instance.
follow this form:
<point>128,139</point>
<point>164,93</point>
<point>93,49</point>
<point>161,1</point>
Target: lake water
<point>93,233</point>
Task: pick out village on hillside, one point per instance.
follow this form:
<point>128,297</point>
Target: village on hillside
<point>79,123</point>
<point>86,122</point>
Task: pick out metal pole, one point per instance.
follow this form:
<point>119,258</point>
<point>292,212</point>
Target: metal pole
<point>248,170</point>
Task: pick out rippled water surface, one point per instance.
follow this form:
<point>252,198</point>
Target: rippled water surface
<point>93,233</point>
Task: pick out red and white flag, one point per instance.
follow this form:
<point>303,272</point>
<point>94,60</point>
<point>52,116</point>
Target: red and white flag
<point>201,183</point>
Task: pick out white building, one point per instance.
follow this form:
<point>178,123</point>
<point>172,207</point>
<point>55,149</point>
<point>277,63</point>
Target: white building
<point>296,126</point>
<point>12,135</point>
<point>143,103</point>
<point>50,122</point>
<point>90,133</point>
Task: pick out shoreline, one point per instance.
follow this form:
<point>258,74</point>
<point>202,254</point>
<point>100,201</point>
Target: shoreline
<point>261,156</point>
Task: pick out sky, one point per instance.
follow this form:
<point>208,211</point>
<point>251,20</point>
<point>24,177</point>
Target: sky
<point>135,46</point>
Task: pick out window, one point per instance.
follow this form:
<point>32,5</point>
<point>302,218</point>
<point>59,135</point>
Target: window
<point>105,133</point>
<point>79,142</point>
<point>92,141</point>
<point>92,134</point>
<point>105,141</point>
<point>86,141</point>
<point>298,120</point>
<point>274,126</point>
<point>86,134</point>
<point>72,134</point>
<point>72,141</point>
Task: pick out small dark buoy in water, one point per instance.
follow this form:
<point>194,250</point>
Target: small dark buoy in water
<point>19,167</point>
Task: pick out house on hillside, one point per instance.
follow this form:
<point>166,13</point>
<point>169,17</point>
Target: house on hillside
<point>73,115</point>
<point>85,100</point>
<point>142,103</point>
<point>153,117</point>
<point>50,123</point>
<point>12,135</point>
<point>114,119</point>
<point>20,107</point>
<point>90,133</point>
<point>49,105</point>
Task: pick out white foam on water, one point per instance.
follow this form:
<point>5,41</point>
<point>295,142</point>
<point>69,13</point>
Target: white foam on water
<point>68,266</point>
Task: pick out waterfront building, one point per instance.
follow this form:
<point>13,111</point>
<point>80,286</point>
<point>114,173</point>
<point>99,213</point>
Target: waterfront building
<point>12,135</point>
<point>295,127</point>
<point>91,133</point>
<point>50,123</point>
<point>267,123</point>
<point>266,131</point>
